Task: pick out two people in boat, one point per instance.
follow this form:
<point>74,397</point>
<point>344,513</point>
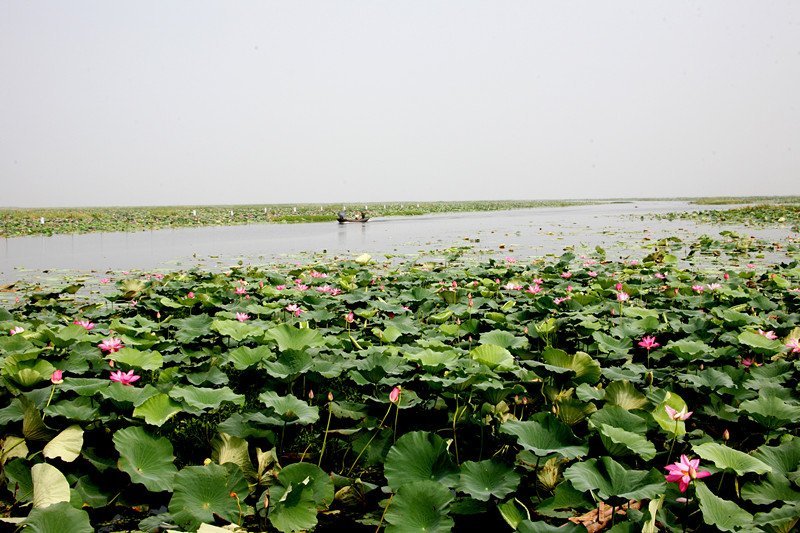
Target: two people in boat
<point>342,216</point>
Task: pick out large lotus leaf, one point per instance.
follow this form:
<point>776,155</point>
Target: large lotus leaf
<point>11,447</point>
<point>616,416</point>
<point>660,415</point>
<point>58,518</point>
<point>419,456</point>
<point>70,335</point>
<point>494,357</point>
<point>129,394</point>
<point>157,409</point>
<point>608,344</point>
<point>784,459</point>
<point>200,398</point>
<point>229,449</point>
<point>190,328</point>
<point>634,442</point>
<point>234,329</point>
<point>503,339</point>
<point>244,357</point>
<point>770,410</point>
<point>147,460</point>
<point>586,369</point>
<point>710,377</point>
<point>33,427</point>
<point>49,485</point>
<point>607,478</point>
<point>760,343</point>
<point>289,363</point>
<point>203,492</point>
<point>320,483</point>
<point>545,434</point>
<point>420,506</point>
<point>289,337</point>
<point>18,480</point>
<point>66,445</point>
<point>625,395</point>
<point>724,514</point>
<point>84,386</point>
<point>87,494</point>
<point>488,478</point>
<point>289,409</point>
<point>773,488</point>
<point>133,358</point>
<point>689,350</point>
<point>434,358</point>
<point>728,458</point>
<point>292,508</point>
<point>571,410</point>
<point>779,519</point>
<point>27,371</point>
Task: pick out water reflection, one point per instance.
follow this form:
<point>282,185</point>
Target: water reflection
<point>521,233</point>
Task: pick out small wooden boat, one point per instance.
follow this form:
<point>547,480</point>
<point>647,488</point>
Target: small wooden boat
<point>348,220</point>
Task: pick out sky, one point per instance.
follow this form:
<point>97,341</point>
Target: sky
<point>192,102</point>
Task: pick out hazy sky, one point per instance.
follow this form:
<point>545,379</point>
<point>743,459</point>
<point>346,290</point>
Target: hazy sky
<point>188,102</point>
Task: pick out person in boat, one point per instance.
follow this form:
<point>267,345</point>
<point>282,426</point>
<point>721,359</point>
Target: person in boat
<point>361,215</point>
<point>341,215</point>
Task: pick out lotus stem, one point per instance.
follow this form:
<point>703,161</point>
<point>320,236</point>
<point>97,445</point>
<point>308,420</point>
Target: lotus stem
<point>389,410</point>
<point>672,447</point>
<point>52,391</point>
<point>325,439</point>
<point>455,437</point>
<point>383,514</point>
<point>396,416</point>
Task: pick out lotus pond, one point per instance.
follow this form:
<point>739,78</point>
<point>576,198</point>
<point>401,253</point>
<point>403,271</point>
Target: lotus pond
<point>568,393</point>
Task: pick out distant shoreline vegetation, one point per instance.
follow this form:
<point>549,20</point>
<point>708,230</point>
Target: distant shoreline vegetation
<point>23,222</point>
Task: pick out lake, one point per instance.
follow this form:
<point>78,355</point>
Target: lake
<point>618,227</point>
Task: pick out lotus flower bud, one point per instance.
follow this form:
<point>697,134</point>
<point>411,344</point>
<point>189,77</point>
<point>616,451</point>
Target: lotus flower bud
<point>648,378</point>
<point>394,396</point>
<point>330,396</point>
<point>207,461</point>
<point>726,435</point>
<point>549,475</point>
<point>311,394</point>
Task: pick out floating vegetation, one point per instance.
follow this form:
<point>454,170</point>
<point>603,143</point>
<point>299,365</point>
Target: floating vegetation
<point>754,215</point>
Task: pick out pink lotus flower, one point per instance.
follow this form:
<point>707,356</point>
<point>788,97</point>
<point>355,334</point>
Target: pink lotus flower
<point>747,362</point>
<point>126,378</point>
<point>349,317</point>
<point>242,317</point>
<point>793,345</point>
<point>698,288</point>
<point>394,396</point>
<point>241,291</point>
<point>677,415</point>
<point>511,286</point>
<point>649,343</point>
<point>111,345</point>
<point>315,274</point>
<point>623,296</point>
<point>559,301</point>
<point>85,324</point>
<point>726,276</point>
<point>510,260</point>
<point>324,289</point>
<point>58,377</point>
<point>294,309</point>
<point>190,295</point>
<point>751,265</point>
<point>336,291</point>
<point>280,287</point>
<point>536,281</point>
<point>105,280</point>
<point>592,274</point>
<point>566,275</point>
<point>659,275</point>
<point>684,472</point>
<point>618,286</point>
<point>533,289</point>
<point>15,330</point>
<point>713,286</point>
<point>768,334</point>
<point>634,262</point>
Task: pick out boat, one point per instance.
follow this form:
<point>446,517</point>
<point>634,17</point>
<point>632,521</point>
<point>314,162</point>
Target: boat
<point>348,220</point>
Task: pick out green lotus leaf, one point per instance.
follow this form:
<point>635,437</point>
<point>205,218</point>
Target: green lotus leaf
<point>572,411</point>
<point>488,478</point>
<point>87,494</point>
<point>133,358</point>
<point>503,339</point>
<point>289,337</point>
<point>319,483</point>
<point>434,358</point>
<point>289,363</point>
<point>229,449</point>
<point>203,492</point>
<point>58,518</point>
<point>760,343</point>
<point>419,456</point>
<point>19,480</point>
<point>625,395</point>
<point>780,519</point>
<point>26,370</point>
<point>49,485</point>
<point>635,443</point>
<point>11,447</point>
<point>526,526</point>
<point>289,409</point>
<point>724,514</point>
<point>146,459</point>
<point>199,399</point>
<point>544,434</point>
<point>730,459</point>
<point>784,459</point>
<point>70,335</point>
<point>129,394</point>
<point>191,328</point>
<point>710,377</point>
<point>688,349</point>
<point>292,507</point>
<point>608,344</point>
<point>773,488</point>
<point>157,409</point>
<point>420,506</point>
<point>84,386</point>
<point>607,478</point>
<point>244,357</point>
<point>586,369</point>
<point>66,445</point>
<point>494,357</point>
<point>770,410</point>
<point>236,330</point>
